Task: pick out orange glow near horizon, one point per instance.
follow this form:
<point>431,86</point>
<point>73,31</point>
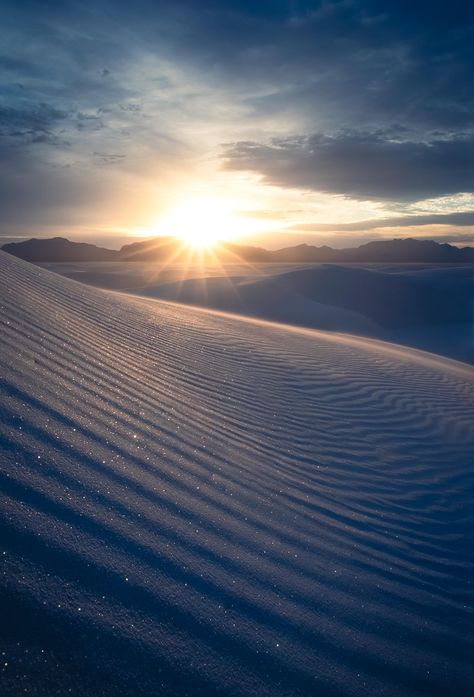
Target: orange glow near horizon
<point>200,222</point>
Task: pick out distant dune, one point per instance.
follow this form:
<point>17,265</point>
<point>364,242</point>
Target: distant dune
<point>195,504</point>
<point>389,299</point>
<point>430,308</point>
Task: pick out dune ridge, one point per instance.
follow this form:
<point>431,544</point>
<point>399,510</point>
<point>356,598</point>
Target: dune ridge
<point>431,308</point>
<point>197,505</point>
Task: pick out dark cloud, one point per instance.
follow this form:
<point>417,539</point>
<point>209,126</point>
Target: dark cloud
<point>33,124</point>
<point>460,219</point>
<point>361,165</point>
<point>334,63</point>
<point>330,62</point>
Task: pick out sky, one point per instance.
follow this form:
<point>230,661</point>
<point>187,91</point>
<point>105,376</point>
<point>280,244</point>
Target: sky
<point>270,122</point>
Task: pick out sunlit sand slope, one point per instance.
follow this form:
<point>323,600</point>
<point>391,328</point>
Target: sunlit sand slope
<point>194,504</point>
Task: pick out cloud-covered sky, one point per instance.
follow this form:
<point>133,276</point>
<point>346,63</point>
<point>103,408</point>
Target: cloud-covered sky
<point>297,117</point>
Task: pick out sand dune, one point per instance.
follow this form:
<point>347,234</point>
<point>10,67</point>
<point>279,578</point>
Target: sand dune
<point>391,300</point>
<point>429,308</point>
<point>195,504</point>
<point>432,311</point>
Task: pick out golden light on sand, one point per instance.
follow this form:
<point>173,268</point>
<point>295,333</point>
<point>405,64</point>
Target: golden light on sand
<point>201,222</point>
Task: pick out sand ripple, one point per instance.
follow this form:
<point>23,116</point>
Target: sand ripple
<point>195,504</point>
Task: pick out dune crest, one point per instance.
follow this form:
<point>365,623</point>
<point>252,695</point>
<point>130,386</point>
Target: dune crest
<point>429,308</point>
<point>197,505</point>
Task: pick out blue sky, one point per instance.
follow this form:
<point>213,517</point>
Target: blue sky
<point>308,118</point>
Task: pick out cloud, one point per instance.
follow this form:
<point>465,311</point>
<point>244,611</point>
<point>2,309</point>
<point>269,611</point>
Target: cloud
<point>361,165</point>
<point>461,219</point>
<point>331,65</point>
<point>34,124</point>
<point>105,158</point>
<point>164,84</point>
<point>269,214</point>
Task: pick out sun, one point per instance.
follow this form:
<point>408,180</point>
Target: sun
<point>200,223</point>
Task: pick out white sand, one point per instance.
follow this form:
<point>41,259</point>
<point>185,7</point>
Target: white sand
<point>426,307</point>
<point>196,504</point>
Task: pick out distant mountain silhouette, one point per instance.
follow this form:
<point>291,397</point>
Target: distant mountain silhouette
<point>307,253</point>
<point>161,248</point>
<point>170,249</point>
<point>155,249</point>
<point>58,249</point>
<point>388,251</point>
<point>409,250</point>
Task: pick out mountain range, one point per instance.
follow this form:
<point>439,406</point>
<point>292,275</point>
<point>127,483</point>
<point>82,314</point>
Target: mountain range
<point>59,249</point>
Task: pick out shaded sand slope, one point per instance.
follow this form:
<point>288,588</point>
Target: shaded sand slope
<point>391,300</point>
<point>194,504</point>
<point>425,307</point>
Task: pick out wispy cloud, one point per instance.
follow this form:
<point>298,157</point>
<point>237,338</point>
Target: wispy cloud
<point>462,219</point>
